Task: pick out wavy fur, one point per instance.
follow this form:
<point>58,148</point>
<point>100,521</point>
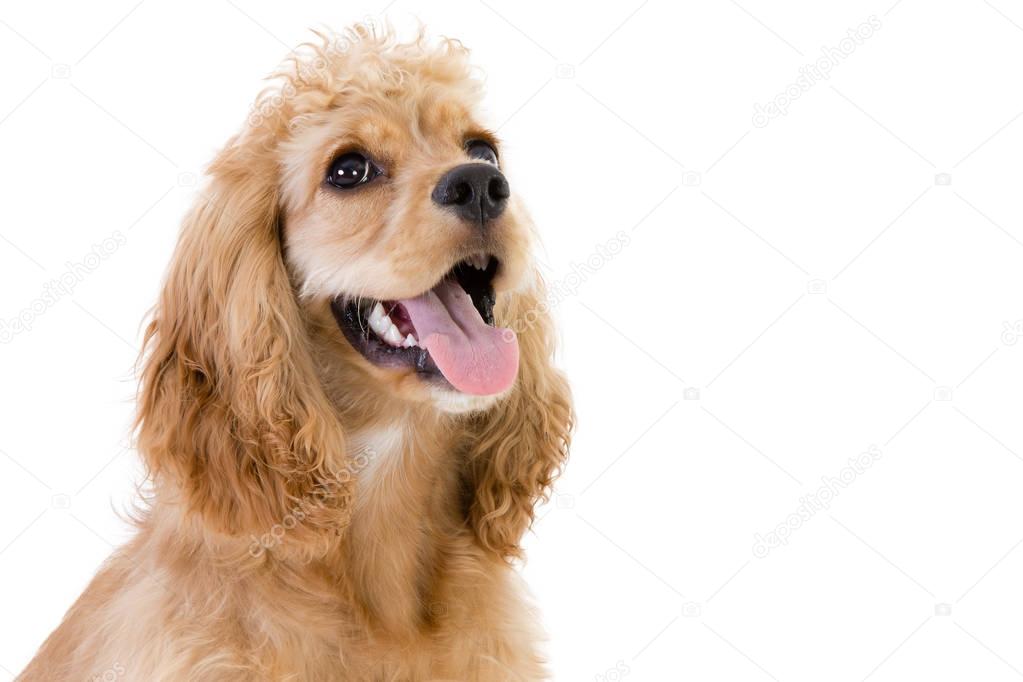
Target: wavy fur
<point>313,517</point>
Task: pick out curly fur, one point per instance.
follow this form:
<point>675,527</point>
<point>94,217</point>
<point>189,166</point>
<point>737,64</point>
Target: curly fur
<point>314,517</point>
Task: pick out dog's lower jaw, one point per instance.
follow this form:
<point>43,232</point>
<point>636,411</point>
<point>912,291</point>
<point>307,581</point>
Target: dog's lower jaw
<point>452,402</point>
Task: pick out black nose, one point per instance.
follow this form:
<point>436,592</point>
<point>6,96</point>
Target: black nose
<point>476,192</point>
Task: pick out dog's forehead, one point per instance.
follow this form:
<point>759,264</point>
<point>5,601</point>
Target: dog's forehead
<point>445,115</point>
<point>396,124</point>
<point>430,112</point>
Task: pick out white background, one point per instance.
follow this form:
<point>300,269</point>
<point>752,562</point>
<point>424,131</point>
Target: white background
<point>846,277</point>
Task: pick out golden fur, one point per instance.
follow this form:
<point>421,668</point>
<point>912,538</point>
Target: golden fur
<point>314,517</point>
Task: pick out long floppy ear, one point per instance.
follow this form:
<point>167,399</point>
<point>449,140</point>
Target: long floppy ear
<point>522,443</point>
<point>232,418</point>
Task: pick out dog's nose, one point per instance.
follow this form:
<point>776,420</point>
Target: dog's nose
<point>477,192</point>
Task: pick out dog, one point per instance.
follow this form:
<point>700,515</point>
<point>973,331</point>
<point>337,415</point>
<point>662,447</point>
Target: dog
<point>347,406</point>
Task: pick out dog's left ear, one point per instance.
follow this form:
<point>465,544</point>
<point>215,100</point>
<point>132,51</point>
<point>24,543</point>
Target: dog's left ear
<point>521,444</point>
<point>231,413</point>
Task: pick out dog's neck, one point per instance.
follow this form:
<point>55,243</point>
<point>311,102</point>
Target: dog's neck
<point>407,503</point>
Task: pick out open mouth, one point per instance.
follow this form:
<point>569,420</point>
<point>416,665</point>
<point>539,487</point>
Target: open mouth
<point>447,333</point>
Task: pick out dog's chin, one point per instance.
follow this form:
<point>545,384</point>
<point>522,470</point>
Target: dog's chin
<point>442,345</point>
<point>450,401</point>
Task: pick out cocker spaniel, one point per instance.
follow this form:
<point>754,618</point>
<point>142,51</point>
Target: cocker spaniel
<point>347,407</point>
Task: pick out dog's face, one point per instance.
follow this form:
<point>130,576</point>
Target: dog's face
<point>402,232</point>
<point>365,179</point>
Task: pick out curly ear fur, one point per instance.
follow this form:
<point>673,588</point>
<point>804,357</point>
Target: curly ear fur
<point>522,443</point>
<point>231,411</point>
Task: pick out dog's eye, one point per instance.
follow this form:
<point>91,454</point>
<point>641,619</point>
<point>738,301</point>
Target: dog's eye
<point>350,170</point>
<point>479,149</point>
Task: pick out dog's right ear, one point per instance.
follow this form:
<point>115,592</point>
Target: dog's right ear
<point>521,444</point>
<point>232,417</point>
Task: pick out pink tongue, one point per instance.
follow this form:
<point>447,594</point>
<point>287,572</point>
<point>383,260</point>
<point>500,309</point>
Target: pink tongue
<point>473,356</point>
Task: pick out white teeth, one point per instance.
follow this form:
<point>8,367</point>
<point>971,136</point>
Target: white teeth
<point>378,320</point>
<point>381,323</point>
<point>479,261</point>
<point>377,315</point>
<point>410,342</point>
<point>393,336</point>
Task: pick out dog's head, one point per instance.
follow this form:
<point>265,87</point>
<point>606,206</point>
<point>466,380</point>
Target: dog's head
<point>399,223</point>
<point>357,253</point>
